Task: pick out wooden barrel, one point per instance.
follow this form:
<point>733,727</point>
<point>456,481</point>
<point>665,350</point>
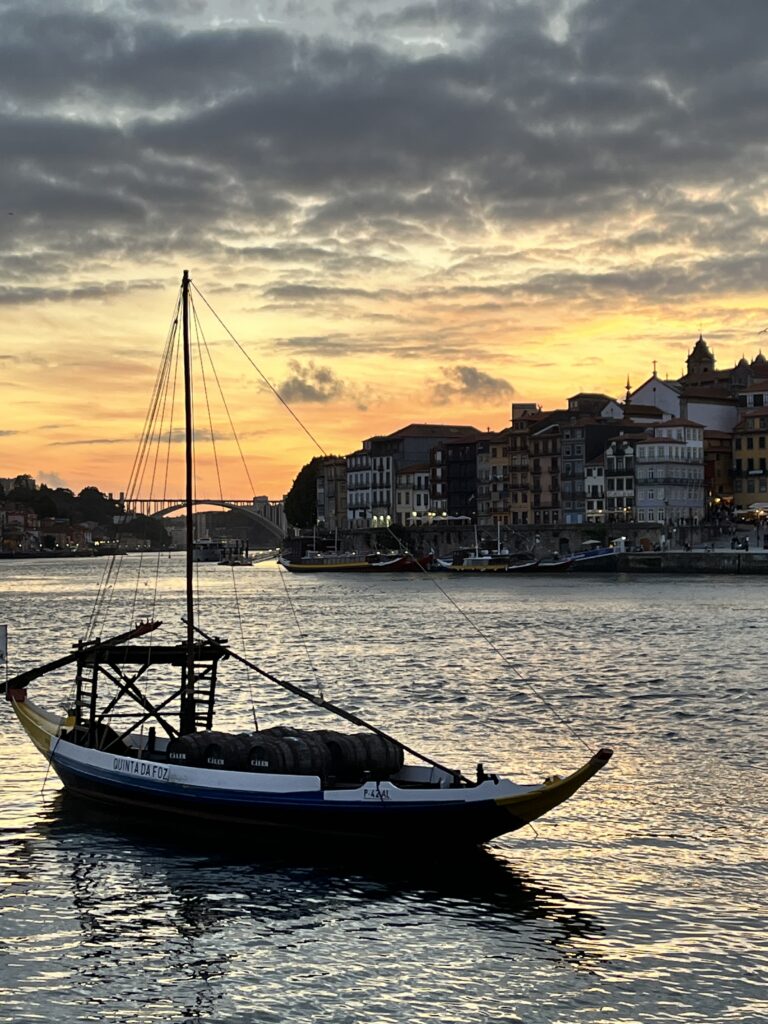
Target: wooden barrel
<point>229,752</point>
<point>354,755</point>
<point>266,754</point>
<point>348,754</point>
<point>384,757</point>
<point>305,751</point>
<point>283,755</point>
<point>190,749</point>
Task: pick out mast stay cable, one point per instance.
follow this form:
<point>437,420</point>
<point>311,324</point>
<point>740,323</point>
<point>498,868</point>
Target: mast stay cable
<point>465,615</point>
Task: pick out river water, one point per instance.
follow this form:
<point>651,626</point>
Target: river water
<point>641,900</point>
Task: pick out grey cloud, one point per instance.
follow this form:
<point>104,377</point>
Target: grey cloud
<point>639,122</point>
<point>310,383</point>
<point>87,441</point>
<point>166,7</point>
<point>29,295</point>
<point>336,345</point>
<point>462,382</point>
<point>470,15</point>
<point>47,476</point>
<point>303,292</point>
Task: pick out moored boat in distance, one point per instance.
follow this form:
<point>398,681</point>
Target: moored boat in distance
<point>596,558</point>
<point>208,550</point>
<point>334,561</point>
<point>488,562</point>
<point>481,563</point>
<point>236,553</point>
<point>555,564</point>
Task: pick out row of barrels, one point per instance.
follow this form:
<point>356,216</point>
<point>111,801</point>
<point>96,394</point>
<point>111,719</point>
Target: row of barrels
<point>345,757</point>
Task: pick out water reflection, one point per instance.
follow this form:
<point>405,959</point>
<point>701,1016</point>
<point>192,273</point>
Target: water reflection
<point>639,900</point>
<point>286,880</point>
<point>156,915</point>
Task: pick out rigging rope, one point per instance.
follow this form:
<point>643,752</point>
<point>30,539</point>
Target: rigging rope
<point>496,650</point>
<point>303,637</point>
<point>322,703</point>
<point>199,333</point>
<point>487,639</point>
<point>152,435</point>
<point>484,636</point>
<point>111,571</point>
<point>266,380</point>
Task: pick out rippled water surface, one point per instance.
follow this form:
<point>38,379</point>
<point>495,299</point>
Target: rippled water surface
<point>641,900</point>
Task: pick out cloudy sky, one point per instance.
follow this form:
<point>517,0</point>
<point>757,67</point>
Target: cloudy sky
<point>404,211</point>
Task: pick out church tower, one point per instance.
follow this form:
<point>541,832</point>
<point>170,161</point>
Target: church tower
<point>700,361</point>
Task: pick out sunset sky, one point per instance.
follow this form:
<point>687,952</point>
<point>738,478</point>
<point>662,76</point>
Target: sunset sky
<point>405,212</point>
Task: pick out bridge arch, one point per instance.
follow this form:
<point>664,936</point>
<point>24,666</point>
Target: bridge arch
<point>267,514</point>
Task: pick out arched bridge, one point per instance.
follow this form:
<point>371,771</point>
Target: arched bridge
<point>268,514</point>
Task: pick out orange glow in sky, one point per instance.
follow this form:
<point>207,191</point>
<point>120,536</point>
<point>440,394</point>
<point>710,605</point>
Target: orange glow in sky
<point>405,213</point>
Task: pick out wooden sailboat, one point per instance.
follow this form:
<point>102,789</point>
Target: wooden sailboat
<point>170,762</point>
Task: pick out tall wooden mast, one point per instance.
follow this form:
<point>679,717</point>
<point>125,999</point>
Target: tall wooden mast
<point>187,720</point>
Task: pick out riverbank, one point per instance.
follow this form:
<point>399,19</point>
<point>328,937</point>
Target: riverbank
<point>719,562</point>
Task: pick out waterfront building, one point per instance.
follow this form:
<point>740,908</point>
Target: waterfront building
<point>544,446</point>
<point>62,535</point>
<point>457,461</point>
<point>382,481</point>
<point>591,403</point>
<point>20,529</point>
<point>656,393</point>
<point>669,471</point>
<point>718,468</point>
<point>371,471</point>
<point>619,479</point>
<point>519,501</point>
<point>572,468</point>
<point>750,477</point>
<point>331,484</point>
<point>412,502</point>
<point>594,489</point>
<point>359,489</point>
<point>594,420</point>
<point>493,478</point>
<point>370,476</point>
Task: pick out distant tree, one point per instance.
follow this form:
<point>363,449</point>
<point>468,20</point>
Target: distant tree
<point>23,495</point>
<point>301,500</point>
<point>65,502</point>
<point>150,528</point>
<point>94,506</point>
<point>45,504</point>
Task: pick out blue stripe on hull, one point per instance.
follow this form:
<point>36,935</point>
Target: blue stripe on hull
<point>456,824</point>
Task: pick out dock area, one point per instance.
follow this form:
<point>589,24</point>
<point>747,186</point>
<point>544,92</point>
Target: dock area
<point>716,561</point>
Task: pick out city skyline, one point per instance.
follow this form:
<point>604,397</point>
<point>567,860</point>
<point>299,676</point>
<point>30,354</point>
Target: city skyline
<point>405,213</point>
